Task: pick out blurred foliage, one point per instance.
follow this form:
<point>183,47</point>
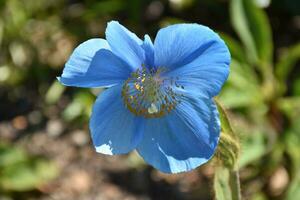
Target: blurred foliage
<point>257,91</point>
<point>262,92</point>
<point>21,172</point>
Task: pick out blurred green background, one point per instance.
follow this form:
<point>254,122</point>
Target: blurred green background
<point>45,147</point>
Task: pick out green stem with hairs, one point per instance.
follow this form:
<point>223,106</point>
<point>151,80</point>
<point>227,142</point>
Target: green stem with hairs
<point>226,180</point>
<point>234,181</point>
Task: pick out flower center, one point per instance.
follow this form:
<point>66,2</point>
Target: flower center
<point>146,93</point>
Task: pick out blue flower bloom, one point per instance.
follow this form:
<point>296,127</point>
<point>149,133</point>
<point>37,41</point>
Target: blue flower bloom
<point>159,99</point>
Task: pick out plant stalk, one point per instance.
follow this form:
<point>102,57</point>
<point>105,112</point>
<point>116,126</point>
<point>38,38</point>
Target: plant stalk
<point>235,186</point>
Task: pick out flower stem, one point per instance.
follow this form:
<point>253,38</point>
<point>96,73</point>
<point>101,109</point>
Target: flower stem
<point>234,182</point>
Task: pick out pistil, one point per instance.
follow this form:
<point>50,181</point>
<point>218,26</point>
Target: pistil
<point>149,94</point>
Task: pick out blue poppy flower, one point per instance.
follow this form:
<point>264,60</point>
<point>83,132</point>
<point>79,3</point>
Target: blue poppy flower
<point>159,96</point>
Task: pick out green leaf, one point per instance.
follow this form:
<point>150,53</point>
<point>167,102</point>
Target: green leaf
<point>1,31</point>
<point>290,106</point>
<point>253,28</point>
<point>103,8</point>
<point>259,196</point>
<point>262,3</point>
<point>242,88</point>
<point>16,18</point>
<point>292,149</point>
<point>287,61</point>
<point>296,87</point>
<point>253,148</point>
<point>27,175</point>
<point>294,189</point>
<point>73,110</point>
<point>54,92</point>
<point>292,146</point>
<point>21,172</point>
<point>181,5</point>
<point>81,105</point>
<point>10,155</point>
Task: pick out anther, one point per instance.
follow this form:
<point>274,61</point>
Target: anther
<point>147,93</point>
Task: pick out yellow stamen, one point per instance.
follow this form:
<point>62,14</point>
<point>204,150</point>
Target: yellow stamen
<point>146,93</point>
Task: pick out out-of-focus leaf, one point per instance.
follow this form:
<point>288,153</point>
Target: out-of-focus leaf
<point>287,61</point>
<point>234,98</point>
<point>103,8</point>
<point>21,172</point>
<point>27,175</point>
<point>10,156</point>
<point>19,54</point>
<point>1,31</point>
<point>259,196</point>
<point>73,110</point>
<point>292,145</point>
<point>236,50</point>
<point>239,22</point>
<point>252,26</point>
<point>2,3</point>
<point>12,75</point>
<point>290,106</point>
<point>181,4</point>
<point>242,88</point>
<point>294,189</point>
<point>274,157</point>
<point>16,17</point>
<point>296,87</point>
<point>253,148</point>
<point>87,100</point>
<point>292,142</point>
<point>4,73</point>
<point>262,3</point>
<point>54,92</point>
<point>81,105</point>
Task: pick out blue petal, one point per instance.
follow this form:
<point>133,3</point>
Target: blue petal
<point>114,129</point>
<point>149,52</point>
<point>184,139</point>
<point>125,44</point>
<point>93,65</point>
<point>202,80</point>
<point>180,44</point>
<point>195,54</point>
